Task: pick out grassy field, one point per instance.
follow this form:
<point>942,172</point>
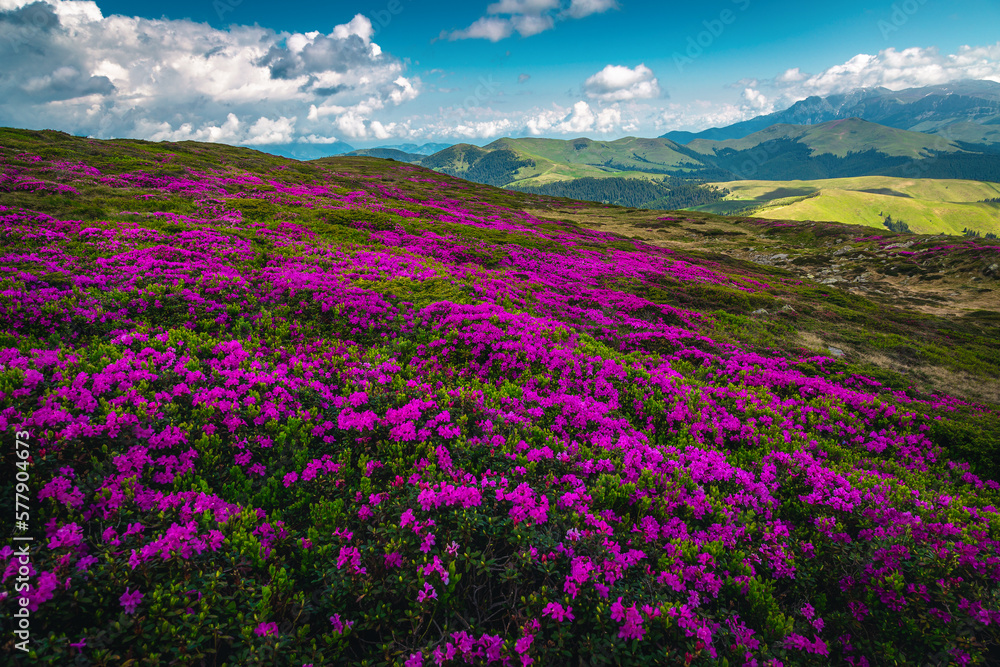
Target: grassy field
<point>558,160</point>
<point>839,137</point>
<point>928,206</point>
<point>552,159</point>
<point>630,151</point>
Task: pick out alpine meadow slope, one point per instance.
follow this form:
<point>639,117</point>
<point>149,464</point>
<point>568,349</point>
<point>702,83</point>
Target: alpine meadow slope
<point>357,412</point>
<point>643,172</point>
<point>927,206</point>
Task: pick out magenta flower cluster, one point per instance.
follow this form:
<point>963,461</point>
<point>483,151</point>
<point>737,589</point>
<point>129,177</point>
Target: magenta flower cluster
<point>197,405</point>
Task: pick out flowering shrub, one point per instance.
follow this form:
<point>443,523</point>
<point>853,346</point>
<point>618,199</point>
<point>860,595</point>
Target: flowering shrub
<point>387,419</point>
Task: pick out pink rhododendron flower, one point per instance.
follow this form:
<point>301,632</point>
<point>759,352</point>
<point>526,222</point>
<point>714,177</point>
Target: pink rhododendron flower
<point>130,601</point>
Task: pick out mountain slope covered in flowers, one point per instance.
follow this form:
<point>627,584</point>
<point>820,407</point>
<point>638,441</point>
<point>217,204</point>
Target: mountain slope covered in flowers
<point>357,412</point>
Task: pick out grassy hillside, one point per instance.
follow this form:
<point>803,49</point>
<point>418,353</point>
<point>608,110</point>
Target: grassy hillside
<point>356,412</point>
<point>839,137</point>
<point>388,154</point>
<point>972,133</point>
<point>457,159</point>
<point>461,160</point>
<point>630,153</point>
<point>842,148</point>
<point>928,206</point>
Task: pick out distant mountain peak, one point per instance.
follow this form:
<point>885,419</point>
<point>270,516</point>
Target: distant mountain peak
<point>932,109</point>
<point>425,149</point>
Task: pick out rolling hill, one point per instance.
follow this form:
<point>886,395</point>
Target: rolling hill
<point>628,154</point>
<point>847,148</point>
<point>421,149</point>
<point>540,161</point>
<point>839,138</point>
<point>836,149</point>
<point>305,151</point>
<point>387,154</point>
<point>927,206</point>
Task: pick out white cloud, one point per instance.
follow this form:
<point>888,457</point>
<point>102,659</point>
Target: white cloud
<point>403,92</point>
<point>701,114</point>
<point>608,120</point>
<point>791,75</point>
<point>577,120</point>
<point>896,70</point>
<point>318,139</point>
<point>530,7</point>
<point>578,9</point>
<point>360,25</point>
<point>352,124</point>
<point>616,83</point>
<point>893,69</point>
<point>544,121</point>
<point>617,102</point>
<point>170,79</point>
<point>267,131</point>
<point>492,28</point>
<point>529,25</point>
<point>756,100</point>
<point>526,18</point>
<point>580,120</point>
<point>380,131</point>
<point>483,129</point>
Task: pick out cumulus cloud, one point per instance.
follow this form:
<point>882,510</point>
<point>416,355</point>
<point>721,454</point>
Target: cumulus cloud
<point>526,26</point>
<point>579,9</point>
<point>756,100</point>
<point>700,114</point>
<point>492,28</point>
<point>262,131</point>
<point>526,18</point>
<point>67,65</point>
<point>891,68</point>
<point>616,83</point>
<point>608,120</point>
<point>620,100</point>
<point>894,69</point>
<point>579,119</point>
<point>483,129</point>
<point>792,75</point>
<point>530,7</point>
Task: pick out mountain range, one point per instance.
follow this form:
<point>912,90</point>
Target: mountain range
<point>423,149</point>
<point>962,111</point>
<point>948,131</point>
<point>386,153</point>
<point>834,149</point>
<point>305,151</point>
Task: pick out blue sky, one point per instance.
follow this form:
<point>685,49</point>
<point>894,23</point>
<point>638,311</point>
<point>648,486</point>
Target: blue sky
<point>380,72</point>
